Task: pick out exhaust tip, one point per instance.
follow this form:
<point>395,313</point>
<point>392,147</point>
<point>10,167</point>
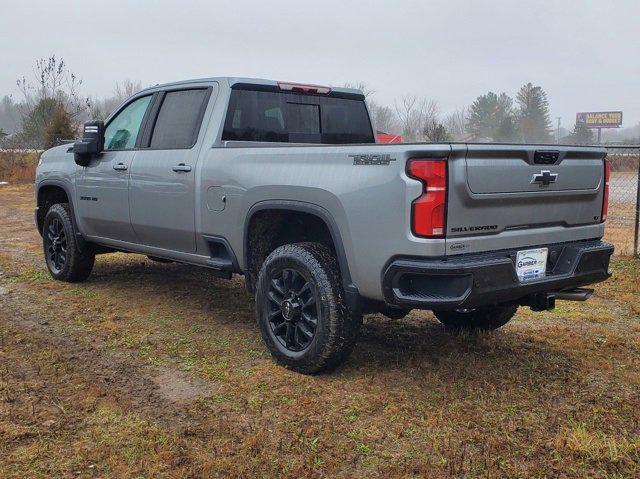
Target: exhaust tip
<point>577,294</point>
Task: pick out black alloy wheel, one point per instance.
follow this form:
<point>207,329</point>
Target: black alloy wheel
<point>66,259</point>
<point>56,246</point>
<point>301,308</point>
<point>293,313</point>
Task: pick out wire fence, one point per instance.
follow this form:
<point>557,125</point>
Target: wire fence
<point>624,198</point>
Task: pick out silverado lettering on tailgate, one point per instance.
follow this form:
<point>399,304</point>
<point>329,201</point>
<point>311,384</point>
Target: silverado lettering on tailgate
<point>374,159</point>
<point>465,229</point>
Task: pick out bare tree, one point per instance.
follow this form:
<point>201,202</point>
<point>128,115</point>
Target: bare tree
<point>127,88</point>
<point>407,116</point>
<point>9,115</point>
<point>383,117</point>
<point>435,132</point>
<point>53,80</point>
<point>362,86</point>
<point>414,114</point>
<point>456,124</point>
<point>102,108</point>
<point>429,113</point>
<point>53,91</point>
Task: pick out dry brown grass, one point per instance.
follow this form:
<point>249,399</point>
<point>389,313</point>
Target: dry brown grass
<point>154,370</point>
<point>597,446</point>
<point>18,167</point>
<point>620,229</point>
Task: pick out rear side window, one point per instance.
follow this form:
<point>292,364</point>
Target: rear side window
<point>296,118</point>
<point>179,119</point>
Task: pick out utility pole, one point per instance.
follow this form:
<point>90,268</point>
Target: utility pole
<point>558,131</point>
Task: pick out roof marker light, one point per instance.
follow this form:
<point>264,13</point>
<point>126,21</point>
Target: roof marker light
<point>302,88</point>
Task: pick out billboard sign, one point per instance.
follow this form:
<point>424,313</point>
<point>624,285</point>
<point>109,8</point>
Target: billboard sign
<point>600,119</point>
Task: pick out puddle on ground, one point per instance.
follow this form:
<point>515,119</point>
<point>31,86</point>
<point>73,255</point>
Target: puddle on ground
<point>179,387</point>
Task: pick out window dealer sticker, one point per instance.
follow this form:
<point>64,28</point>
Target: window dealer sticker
<point>531,264</point>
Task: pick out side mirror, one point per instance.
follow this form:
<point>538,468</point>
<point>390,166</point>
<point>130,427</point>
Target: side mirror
<point>91,144</point>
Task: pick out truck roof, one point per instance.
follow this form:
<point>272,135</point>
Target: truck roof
<point>252,81</point>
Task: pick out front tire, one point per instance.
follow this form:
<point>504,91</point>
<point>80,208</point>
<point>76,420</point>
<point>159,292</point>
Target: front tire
<point>301,309</point>
<point>65,260</point>
<point>483,319</point>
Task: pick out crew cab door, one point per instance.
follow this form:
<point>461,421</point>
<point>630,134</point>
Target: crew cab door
<point>163,174</point>
<point>102,188</point>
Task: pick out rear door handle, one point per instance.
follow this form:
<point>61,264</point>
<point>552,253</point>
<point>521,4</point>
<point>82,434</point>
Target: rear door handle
<point>182,168</point>
<point>120,167</point>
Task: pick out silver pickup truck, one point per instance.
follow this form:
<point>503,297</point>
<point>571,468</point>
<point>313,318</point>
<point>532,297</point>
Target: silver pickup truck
<point>285,184</point>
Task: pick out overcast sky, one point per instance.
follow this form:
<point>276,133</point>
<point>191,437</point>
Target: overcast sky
<point>585,54</point>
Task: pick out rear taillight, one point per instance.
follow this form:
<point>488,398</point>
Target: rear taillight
<point>605,199</point>
<point>428,212</point>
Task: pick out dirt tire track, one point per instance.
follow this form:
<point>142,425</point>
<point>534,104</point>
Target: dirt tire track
<point>161,394</point>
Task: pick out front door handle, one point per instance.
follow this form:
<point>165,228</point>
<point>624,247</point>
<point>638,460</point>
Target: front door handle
<point>182,168</point>
<point>120,167</point>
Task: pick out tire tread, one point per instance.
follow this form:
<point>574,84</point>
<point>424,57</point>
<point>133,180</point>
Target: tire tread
<point>344,325</point>
<point>79,261</point>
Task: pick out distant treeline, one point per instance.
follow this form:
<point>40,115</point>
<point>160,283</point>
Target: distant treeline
<point>51,107</point>
<point>492,117</point>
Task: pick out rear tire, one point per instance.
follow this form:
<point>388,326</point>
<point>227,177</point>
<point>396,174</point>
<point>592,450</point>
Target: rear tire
<point>63,256</point>
<point>301,310</point>
<point>483,319</point>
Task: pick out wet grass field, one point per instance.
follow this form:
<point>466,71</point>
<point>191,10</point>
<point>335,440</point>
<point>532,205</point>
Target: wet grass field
<point>158,370</point>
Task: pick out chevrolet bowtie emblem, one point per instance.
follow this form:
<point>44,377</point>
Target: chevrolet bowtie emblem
<point>544,178</point>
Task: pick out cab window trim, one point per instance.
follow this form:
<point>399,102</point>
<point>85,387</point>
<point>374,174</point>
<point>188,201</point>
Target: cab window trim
<point>142,123</point>
<point>150,122</point>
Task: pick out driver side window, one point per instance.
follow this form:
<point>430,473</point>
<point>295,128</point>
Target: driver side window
<point>122,131</point>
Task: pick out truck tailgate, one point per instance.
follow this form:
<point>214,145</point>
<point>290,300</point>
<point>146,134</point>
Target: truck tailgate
<point>505,196</point>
